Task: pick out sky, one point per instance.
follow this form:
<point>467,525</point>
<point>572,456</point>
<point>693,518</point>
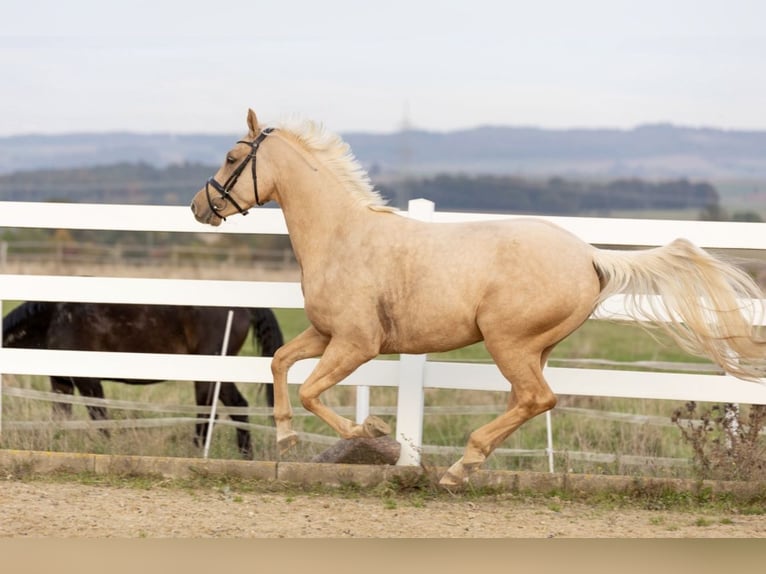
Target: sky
<point>185,66</point>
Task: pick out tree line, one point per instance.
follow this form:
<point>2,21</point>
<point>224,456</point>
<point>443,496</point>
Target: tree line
<point>554,196</point>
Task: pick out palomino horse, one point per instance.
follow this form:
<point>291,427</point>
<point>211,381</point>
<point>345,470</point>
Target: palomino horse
<point>375,282</point>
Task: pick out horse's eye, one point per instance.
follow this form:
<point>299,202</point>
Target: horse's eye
<point>230,159</point>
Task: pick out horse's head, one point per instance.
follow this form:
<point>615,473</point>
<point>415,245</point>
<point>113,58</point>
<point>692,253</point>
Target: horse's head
<point>234,188</point>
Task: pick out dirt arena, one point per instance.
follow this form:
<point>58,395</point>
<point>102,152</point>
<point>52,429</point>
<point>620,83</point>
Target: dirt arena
<point>42,508</point>
<point>282,501</point>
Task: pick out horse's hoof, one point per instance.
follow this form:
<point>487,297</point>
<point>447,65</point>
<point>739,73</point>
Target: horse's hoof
<point>285,443</point>
<point>375,427</point>
<point>451,482</point>
<point>457,475</point>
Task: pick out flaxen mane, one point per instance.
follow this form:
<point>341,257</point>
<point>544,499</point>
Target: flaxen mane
<point>336,155</point>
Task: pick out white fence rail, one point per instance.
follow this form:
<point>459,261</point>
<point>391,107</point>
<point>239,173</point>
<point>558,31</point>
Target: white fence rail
<point>412,374</point>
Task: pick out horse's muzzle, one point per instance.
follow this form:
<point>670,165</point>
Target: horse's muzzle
<point>205,216</point>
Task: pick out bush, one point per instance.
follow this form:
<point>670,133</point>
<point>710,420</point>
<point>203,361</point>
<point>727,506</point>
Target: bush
<point>727,445</point>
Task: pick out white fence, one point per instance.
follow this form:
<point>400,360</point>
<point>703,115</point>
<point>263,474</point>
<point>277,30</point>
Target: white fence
<point>412,374</point>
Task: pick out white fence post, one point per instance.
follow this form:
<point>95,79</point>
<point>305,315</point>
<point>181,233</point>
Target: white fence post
<point>362,403</point>
<point>411,397</point>
<point>549,441</point>
<point>409,409</point>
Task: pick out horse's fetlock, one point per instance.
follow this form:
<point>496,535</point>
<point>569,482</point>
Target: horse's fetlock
<point>476,452</point>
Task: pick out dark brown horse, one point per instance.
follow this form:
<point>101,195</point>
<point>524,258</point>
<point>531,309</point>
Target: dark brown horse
<point>143,329</point>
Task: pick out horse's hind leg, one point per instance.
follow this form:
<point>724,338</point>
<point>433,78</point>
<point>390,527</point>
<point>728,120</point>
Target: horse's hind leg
<point>203,396</point>
<point>87,388</point>
<point>94,389</point>
<point>231,397</point>
<point>530,396</point>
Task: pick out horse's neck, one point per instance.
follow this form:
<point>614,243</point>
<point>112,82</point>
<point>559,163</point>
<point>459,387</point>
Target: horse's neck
<point>320,214</point>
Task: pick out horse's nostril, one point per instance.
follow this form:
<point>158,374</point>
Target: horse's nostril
<point>193,207</point>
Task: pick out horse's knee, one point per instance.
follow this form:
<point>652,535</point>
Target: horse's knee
<point>280,362</point>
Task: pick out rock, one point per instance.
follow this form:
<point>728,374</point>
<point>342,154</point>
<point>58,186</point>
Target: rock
<point>380,450</point>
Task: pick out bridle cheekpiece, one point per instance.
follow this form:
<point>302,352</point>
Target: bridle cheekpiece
<point>224,190</point>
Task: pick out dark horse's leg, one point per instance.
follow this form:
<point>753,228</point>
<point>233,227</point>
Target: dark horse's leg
<point>268,336</point>
<point>230,397</point>
<point>87,388</point>
<point>64,386</point>
<point>92,388</point>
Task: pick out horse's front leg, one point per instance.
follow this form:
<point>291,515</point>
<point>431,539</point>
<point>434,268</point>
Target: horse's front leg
<point>310,343</point>
<point>340,359</point>
<point>64,386</point>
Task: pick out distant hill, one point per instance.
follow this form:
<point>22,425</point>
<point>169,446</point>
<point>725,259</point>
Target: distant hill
<point>141,183</point>
<point>35,152</point>
<point>650,152</point>
<point>654,151</point>
<point>555,196</point>
<point>131,183</point>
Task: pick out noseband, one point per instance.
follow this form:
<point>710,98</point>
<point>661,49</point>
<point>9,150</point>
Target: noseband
<point>224,190</point>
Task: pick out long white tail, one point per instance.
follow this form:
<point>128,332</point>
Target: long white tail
<point>702,302</point>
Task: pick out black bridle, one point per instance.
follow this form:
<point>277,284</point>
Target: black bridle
<point>225,189</point>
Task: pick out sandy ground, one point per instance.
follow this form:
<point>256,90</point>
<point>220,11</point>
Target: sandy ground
<point>71,510</point>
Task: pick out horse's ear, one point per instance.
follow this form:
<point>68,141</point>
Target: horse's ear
<point>252,123</point>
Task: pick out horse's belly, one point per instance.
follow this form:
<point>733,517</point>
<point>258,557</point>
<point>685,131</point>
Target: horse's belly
<point>435,343</point>
<point>426,332</point>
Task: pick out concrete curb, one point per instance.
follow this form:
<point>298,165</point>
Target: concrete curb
<point>337,475</point>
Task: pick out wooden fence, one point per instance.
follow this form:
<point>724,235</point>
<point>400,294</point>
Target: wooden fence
<point>411,374</point>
